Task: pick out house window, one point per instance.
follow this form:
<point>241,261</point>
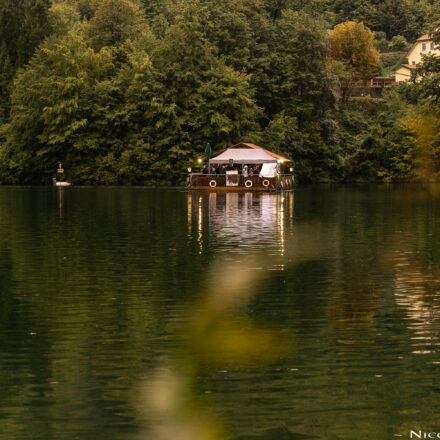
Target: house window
<point>423,47</point>
<point>431,46</point>
<point>413,63</point>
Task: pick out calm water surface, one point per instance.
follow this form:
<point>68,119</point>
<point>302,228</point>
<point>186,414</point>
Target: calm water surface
<point>95,284</point>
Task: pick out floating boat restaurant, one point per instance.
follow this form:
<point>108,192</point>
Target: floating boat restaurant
<point>244,167</point>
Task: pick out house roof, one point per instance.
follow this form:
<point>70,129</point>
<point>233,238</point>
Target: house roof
<point>425,37</point>
<point>409,66</point>
<point>246,153</point>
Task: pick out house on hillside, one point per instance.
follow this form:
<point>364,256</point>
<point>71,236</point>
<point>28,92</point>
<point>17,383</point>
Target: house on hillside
<point>423,46</point>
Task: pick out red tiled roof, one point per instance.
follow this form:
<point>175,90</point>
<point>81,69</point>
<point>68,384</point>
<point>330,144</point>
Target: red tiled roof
<point>256,147</point>
<point>410,66</point>
<point>425,37</point>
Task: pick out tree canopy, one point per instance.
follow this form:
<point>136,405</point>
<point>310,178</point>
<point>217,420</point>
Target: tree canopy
<point>352,43</point>
<point>130,91</point>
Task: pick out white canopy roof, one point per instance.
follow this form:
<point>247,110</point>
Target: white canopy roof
<point>243,155</point>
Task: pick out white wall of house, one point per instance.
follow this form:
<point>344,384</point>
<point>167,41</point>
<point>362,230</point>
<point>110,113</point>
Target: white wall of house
<point>421,48</point>
<point>403,74</point>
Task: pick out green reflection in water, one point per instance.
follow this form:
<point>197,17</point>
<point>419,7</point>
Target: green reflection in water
<point>97,283</point>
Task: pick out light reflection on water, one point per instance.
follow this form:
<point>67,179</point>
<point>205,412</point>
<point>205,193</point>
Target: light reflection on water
<point>95,284</point>
<point>241,222</point>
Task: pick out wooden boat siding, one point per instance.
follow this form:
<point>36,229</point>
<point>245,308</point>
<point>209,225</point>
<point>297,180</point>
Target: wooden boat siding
<point>201,181</point>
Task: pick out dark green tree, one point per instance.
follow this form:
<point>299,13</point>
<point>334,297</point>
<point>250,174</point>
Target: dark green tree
<point>427,78</point>
<point>56,113</point>
<point>114,22</point>
<point>206,100</point>
<point>23,25</point>
<point>6,75</point>
<point>292,73</point>
<point>63,16</point>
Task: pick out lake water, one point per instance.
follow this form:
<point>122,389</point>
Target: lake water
<point>96,285</point>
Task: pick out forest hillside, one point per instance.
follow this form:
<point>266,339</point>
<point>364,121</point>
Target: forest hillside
<point>131,91</point>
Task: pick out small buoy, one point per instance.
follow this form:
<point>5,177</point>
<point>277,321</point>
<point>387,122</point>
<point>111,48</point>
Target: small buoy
<point>58,180</point>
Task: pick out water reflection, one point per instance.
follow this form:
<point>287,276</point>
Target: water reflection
<point>241,221</point>
<point>95,284</point>
<point>416,293</point>
<point>60,195</point>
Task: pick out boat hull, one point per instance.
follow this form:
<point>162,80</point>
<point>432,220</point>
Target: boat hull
<point>251,183</point>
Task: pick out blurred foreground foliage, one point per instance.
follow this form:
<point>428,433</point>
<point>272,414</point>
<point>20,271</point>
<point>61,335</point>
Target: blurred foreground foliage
<point>215,336</point>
